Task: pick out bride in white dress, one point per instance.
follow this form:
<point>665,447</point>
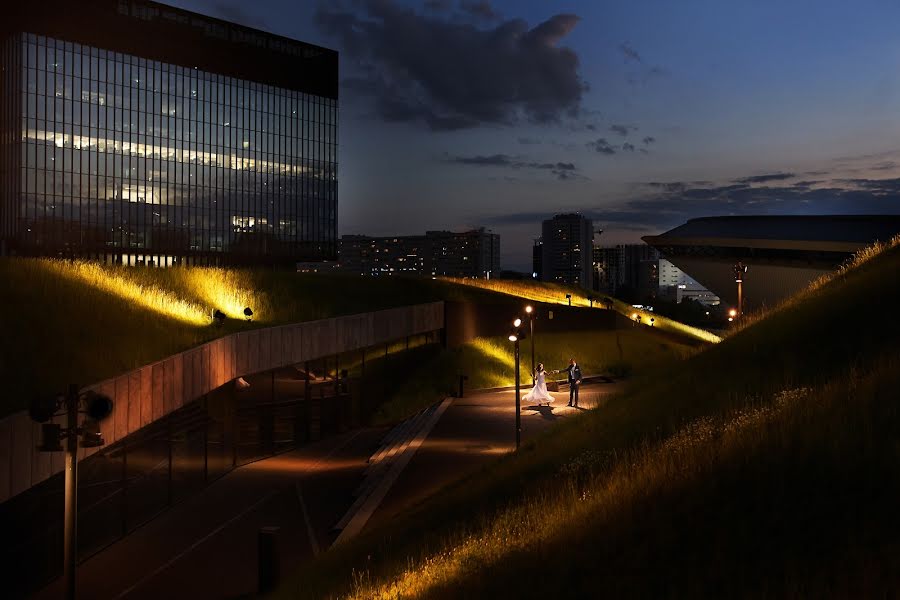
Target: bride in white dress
<point>539,392</point>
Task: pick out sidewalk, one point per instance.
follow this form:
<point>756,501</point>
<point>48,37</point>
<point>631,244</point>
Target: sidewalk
<point>474,430</point>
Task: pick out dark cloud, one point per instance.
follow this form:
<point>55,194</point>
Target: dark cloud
<point>446,74</point>
<point>649,140</point>
<point>627,147</point>
<point>526,141</point>
<point>765,178</point>
<point>630,53</point>
<point>562,170</point>
<point>602,146</point>
<point>672,203</point>
<point>622,130</point>
<point>438,5</point>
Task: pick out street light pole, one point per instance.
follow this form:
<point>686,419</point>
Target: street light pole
<point>518,400</point>
<point>530,312</point>
<point>70,537</point>
<point>739,271</point>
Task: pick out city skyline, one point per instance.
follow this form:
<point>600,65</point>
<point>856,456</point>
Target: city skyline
<point>638,116</point>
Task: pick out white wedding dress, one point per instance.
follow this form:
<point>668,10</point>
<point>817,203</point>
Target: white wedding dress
<point>539,393</point>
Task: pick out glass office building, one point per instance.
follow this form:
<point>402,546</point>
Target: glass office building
<point>178,138</point>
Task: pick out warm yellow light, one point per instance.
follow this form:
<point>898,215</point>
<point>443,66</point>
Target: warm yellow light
<point>528,309</point>
<point>732,313</point>
<point>517,323</point>
<point>512,338</point>
<point>634,316</point>
<point>120,282</point>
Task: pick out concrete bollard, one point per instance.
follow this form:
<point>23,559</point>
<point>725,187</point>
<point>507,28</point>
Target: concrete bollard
<point>267,559</point>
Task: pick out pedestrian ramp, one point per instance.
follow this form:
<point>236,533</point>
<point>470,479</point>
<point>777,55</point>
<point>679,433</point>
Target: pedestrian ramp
<point>384,467</point>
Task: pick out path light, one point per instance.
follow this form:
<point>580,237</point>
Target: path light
<point>515,334</point>
<point>652,321</point>
<point>530,311</point>
<point>569,298</point>
<point>248,313</point>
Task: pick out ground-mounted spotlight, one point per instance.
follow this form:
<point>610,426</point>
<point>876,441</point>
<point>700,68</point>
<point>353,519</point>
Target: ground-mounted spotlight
<point>652,321</point>
<point>218,317</point>
<point>248,314</point>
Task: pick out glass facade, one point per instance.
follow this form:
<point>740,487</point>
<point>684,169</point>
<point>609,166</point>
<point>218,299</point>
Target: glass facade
<point>131,159</point>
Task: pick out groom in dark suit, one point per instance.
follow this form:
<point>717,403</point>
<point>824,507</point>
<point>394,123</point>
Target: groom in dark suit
<point>574,375</point>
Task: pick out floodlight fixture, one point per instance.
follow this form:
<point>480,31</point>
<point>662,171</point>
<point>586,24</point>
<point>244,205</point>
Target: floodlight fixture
<point>517,322</point>
<point>43,408</point>
<point>513,337</point>
<point>219,317</point>
<point>51,434</point>
<point>248,313</point>
<point>98,406</point>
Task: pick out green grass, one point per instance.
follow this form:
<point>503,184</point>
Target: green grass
<point>81,322</point>
<point>554,293</point>
<point>489,362</point>
<point>766,465</point>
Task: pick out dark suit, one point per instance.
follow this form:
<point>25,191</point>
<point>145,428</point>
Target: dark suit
<point>575,377</point>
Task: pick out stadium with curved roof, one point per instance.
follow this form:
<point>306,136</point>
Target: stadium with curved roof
<point>783,253</point>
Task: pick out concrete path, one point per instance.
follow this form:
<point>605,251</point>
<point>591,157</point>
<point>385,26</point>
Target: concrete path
<point>474,430</point>
<point>205,547</point>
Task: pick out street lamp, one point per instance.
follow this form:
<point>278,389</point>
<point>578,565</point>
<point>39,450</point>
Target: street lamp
<point>530,312</point>
<point>96,407</point>
<point>739,271</point>
<point>515,335</point>
<point>732,315</point>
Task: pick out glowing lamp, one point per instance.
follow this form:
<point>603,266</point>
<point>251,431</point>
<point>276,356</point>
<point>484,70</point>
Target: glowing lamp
<point>517,323</point>
<point>732,313</point>
<point>513,337</point>
<point>528,309</point>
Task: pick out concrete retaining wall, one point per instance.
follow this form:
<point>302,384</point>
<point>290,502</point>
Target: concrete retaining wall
<point>150,392</point>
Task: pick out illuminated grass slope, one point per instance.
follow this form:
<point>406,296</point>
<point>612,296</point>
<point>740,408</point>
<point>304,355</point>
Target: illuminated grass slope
<point>552,293</point>
<point>81,322</point>
<point>766,465</point>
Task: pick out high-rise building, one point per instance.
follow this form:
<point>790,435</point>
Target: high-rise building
<point>537,260</point>
<point>473,254</point>
<point>135,132</point>
<point>567,255</point>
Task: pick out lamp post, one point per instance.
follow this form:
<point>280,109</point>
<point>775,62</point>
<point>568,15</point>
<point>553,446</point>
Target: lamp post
<point>514,336</point>
<point>530,311</point>
<point>739,270</point>
<point>97,407</point>
<point>569,298</point>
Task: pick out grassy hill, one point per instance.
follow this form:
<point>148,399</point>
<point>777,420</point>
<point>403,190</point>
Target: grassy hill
<point>767,465</point>
<point>81,322</point>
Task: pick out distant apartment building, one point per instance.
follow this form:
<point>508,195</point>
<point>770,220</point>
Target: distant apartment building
<point>537,260</point>
<point>675,284</point>
<point>567,250</point>
<point>472,254</point>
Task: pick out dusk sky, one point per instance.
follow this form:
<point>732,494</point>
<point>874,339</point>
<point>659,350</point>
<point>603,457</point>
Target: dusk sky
<point>640,114</point>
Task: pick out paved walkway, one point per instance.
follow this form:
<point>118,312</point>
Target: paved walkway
<point>205,547</point>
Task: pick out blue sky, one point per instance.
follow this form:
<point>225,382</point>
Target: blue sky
<point>640,113</point>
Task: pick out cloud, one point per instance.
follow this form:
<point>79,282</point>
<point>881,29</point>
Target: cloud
<point>602,146</point>
<point>622,130</point>
<point>562,170</point>
<point>649,140</point>
<point>765,178</point>
<point>669,204</point>
<point>526,141</point>
<point>630,53</point>
<point>435,70</point>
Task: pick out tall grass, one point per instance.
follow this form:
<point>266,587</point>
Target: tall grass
<point>796,421</point>
<point>553,293</point>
